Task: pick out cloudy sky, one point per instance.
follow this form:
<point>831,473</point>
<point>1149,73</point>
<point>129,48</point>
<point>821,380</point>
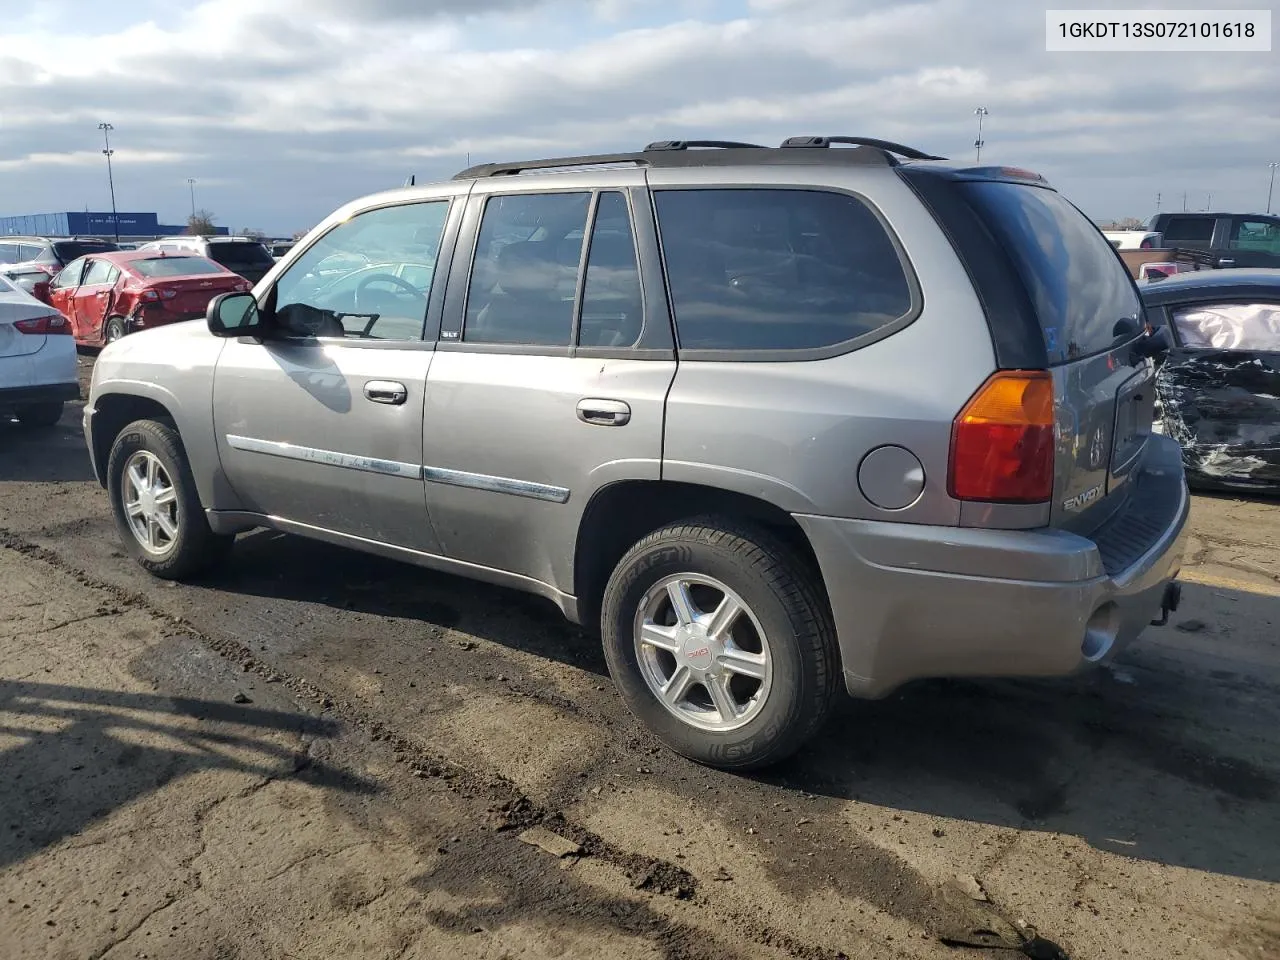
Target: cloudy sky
<point>283,109</point>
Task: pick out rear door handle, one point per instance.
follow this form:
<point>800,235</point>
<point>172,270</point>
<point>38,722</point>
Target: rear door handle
<point>604,413</point>
<point>386,391</point>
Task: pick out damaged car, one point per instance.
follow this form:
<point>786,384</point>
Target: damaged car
<point>1218,388</point>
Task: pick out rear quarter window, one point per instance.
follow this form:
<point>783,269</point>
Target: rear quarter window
<point>768,270</point>
<point>1077,283</point>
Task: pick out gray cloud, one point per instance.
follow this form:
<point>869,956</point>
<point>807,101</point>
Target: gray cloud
<point>292,116</point>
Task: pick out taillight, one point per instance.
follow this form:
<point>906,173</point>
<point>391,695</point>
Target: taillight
<point>1002,441</point>
<point>52,325</point>
<point>151,295</point>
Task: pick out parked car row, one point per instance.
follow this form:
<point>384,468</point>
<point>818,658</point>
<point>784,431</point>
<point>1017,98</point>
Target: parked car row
<point>37,359</point>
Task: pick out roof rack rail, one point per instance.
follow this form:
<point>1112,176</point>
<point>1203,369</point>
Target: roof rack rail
<point>911,153</point>
<point>686,144</point>
<point>724,153</point>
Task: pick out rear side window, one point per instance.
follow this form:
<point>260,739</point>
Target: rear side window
<point>9,253</point>
<point>1078,285</point>
<point>233,255</point>
<point>1195,231</point>
<point>174,267</point>
<point>775,270</point>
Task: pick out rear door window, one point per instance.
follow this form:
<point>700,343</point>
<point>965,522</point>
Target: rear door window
<point>99,272</point>
<point>1077,283</point>
<point>524,280</point>
<point>771,270</point>
<point>1258,235</point>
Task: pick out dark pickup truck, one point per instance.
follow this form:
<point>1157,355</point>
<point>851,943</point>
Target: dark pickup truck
<point>1233,239</point>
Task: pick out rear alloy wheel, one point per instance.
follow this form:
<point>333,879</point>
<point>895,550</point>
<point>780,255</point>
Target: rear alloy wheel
<point>115,329</point>
<point>40,414</point>
<point>155,504</point>
<point>719,640</point>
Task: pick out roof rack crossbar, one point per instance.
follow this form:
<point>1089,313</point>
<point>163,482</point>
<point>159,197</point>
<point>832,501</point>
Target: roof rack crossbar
<point>686,144</point>
<point>911,153</point>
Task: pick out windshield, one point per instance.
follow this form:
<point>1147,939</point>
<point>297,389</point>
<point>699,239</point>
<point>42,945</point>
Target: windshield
<point>1077,282</point>
<point>174,266</point>
<point>68,250</point>
<point>240,254</point>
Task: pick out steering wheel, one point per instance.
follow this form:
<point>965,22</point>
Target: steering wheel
<point>385,278</point>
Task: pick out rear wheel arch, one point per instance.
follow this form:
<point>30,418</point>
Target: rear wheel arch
<point>621,514</point>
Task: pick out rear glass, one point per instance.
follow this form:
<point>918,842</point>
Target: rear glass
<point>241,255</point>
<point>1078,285</point>
<point>68,250</point>
<point>174,266</point>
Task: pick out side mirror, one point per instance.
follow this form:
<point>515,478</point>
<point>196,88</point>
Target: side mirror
<point>234,315</point>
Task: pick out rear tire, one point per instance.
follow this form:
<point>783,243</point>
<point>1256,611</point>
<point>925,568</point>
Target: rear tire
<point>756,690</point>
<point>114,330</point>
<point>40,414</point>
<point>155,504</point>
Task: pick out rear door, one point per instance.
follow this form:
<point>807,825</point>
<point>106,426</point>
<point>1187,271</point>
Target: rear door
<point>1219,389</point>
<point>91,302</point>
<point>553,366</point>
<point>1090,314</point>
<point>63,286</point>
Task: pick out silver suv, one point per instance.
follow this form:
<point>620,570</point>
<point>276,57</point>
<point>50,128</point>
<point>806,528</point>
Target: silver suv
<point>776,419</point>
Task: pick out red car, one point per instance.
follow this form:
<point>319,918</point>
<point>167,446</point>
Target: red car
<point>108,295</point>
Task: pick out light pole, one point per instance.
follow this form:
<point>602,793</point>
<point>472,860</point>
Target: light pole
<point>191,183</point>
<point>981,113</point>
<point>106,129</point>
<point>1273,164</point>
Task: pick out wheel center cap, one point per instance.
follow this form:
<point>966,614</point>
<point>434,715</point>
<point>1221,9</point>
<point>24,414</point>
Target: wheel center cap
<point>698,650</point>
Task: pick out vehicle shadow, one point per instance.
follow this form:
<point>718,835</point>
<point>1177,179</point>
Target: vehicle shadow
<point>44,454</point>
<point>1170,755</point>
<point>82,753</point>
<point>283,567</point>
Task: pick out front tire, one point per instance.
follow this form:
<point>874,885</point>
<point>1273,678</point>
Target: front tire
<point>720,643</point>
<point>155,504</point>
<point>40,414</point>
<point>114,330</point>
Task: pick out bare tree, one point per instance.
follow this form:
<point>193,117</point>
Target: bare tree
<point>200,224</point>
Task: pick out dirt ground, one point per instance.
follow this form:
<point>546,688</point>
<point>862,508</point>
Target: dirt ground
<point>320,754</point>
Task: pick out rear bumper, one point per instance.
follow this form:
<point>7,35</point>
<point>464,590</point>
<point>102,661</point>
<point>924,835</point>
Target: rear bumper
<point>913,601</point>
<point>11,397</point>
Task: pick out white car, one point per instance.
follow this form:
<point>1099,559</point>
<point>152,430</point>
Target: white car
<point>37,359</point>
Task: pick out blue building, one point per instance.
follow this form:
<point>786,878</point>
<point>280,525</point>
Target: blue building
<point>83,223</point>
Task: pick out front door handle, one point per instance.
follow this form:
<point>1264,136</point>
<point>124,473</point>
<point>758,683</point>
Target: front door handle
<point>604,413</point>
<point>386,391</point>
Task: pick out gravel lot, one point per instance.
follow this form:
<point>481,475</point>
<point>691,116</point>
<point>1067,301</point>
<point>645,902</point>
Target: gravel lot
<point>320,754</point>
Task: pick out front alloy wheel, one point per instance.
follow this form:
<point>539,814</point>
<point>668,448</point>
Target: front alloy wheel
<point>150,503</point>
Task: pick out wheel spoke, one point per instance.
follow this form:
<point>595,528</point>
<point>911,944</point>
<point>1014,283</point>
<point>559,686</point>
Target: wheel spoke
<point>167,526</point>
<point>682,603</point>
<point>744,662</point>
<point>723,700</point>
<point>133,508</point>
<point>153,465</point>
<point>723,618</point>
<point>675,688</point>
<point>137,478</point>
<point>153,528</point>
<point>166,495</point>
<point>664,638</point>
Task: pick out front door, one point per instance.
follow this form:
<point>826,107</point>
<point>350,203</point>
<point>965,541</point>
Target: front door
<point>320,423</point>
<point>552,370</point>
<point>1219,391</point>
